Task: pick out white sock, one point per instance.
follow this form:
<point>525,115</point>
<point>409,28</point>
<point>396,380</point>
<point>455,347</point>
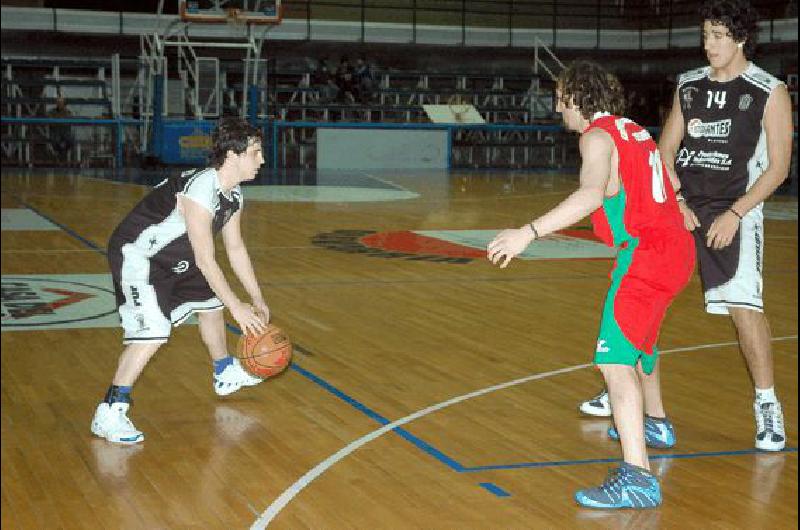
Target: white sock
<point>766,395</point>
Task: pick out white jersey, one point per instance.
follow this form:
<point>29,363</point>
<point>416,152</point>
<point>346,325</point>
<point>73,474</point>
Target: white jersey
<point>156,231</point>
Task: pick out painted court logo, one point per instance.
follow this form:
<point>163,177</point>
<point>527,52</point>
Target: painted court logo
<point>41,302</point>
<point>457,246</point>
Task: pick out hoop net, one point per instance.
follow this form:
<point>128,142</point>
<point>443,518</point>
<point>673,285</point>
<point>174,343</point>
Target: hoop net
<point>458,107</point>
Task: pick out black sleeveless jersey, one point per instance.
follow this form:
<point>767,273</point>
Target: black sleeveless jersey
<point>155,231</point>
<point>724,146</point>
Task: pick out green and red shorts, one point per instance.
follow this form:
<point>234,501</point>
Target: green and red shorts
<point>647,276</point>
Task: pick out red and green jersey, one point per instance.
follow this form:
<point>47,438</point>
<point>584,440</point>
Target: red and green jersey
<point>656,253</point>
<point>650,204</point>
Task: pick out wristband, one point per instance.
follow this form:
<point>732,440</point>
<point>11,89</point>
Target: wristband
<point>735,213</point>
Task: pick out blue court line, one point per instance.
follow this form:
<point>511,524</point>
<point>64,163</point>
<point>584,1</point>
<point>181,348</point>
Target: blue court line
<point>67,230</point>
<point>421,444</point>
<point>456,466</point>
<point>494,488</point>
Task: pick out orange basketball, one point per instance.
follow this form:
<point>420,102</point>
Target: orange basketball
<point>265,355</point>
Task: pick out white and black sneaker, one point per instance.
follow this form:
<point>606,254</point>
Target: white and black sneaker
<point>597,406</point>
<point>770,434</point>
<point>232,378</point>
<point>112,423</point>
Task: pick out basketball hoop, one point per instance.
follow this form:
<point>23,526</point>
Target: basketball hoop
<point>458,107</point>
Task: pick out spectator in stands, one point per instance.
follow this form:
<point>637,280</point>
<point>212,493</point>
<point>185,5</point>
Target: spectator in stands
<point>322,79</point>
<point>364,80</point>
<point>344,80</point>
<point>61,133</point>
<point>230,106</point>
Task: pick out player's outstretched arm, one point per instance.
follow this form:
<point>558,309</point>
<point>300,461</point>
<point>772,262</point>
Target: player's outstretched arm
<point>198,227</point>
<point>596,149</point>
<point>241,263</point>
<point>596,152</point>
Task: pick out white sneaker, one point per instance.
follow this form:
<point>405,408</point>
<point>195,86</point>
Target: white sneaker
<point>232,378</point>
<point>597,406</point>
<point>770,434</point>
<point>111,422</point>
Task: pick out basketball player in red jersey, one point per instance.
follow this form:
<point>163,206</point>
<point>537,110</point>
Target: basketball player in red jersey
<point>625,188</point>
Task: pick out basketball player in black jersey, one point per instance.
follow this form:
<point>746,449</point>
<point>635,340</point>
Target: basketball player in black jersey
<point>727,145</point>
<point>164,270</point>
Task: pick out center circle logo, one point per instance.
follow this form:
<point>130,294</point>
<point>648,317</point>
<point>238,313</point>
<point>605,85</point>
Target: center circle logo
<point>45,301</point>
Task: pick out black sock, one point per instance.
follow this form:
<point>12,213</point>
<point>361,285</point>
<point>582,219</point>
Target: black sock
<point>118,394</point>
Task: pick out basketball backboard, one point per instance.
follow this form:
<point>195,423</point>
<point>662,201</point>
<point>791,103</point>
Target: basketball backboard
<point>462,113</point>
<point>231,11</point>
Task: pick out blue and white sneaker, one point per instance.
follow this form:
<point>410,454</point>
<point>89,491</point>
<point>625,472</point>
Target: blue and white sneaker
<point>232,378</point>
<point>112,423</point>
<point>658,433</point>
<point>627,486</point>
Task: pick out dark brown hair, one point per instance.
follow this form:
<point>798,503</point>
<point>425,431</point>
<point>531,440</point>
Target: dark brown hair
<point>738,16</point>
<point>589,87</point>
<point>231,134</point>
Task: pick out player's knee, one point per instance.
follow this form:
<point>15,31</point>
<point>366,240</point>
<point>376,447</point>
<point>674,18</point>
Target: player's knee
<point>210,317</point>
<point>142,351</point>
<point>612,371</point>
<point>743,317</point>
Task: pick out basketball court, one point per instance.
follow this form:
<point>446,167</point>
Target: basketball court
<point>429,389</point>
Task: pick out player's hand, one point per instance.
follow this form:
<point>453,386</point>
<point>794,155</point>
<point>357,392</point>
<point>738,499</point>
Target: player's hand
<point>250,322</point>
<point>508,244</point>
<point>722,230</point>
<point>690,220</point>
<point>261,307</point>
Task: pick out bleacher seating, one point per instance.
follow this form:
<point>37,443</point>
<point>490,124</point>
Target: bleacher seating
<point>31,87</point>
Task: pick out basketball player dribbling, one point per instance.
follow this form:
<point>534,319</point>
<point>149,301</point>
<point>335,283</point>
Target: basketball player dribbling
<point>625,188</point>
<point>164,270</point>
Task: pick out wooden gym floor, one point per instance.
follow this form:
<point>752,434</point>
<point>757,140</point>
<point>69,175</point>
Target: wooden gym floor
<point>429,389</point>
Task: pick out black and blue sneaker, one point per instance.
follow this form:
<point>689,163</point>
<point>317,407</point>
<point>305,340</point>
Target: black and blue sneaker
<point>658,433</point>
<point>627,486</point>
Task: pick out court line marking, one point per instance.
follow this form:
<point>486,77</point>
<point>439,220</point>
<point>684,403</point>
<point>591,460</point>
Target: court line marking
<point>494,488</point>
<point>292,491</point>
<point>66,229</point>
<point>391,426</point>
